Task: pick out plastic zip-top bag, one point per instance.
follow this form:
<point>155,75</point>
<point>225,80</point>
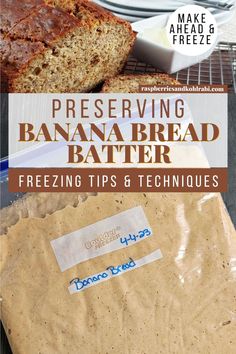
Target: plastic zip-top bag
<point>123,274</point>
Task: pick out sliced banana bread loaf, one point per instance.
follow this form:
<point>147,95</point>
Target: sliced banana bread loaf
<point>46,49</point>
<point>131,83</point>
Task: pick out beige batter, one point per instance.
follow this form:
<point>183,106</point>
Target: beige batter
<point>37,205</point>
<point>184,303</point>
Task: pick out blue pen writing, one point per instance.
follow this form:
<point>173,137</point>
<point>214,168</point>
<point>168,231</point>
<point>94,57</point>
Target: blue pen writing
<point>82,283</point>
<point>122,267</point>
<point>133,238</point>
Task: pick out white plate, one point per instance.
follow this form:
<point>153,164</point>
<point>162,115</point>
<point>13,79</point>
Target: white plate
<point>221,16</point>
<point>129,12</point>
<point>152,5</point>
<point>128,18</point>
<point>165,58</point>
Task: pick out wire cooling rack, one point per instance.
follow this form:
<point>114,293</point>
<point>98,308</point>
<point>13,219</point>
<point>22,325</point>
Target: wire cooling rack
<point>219,68</point>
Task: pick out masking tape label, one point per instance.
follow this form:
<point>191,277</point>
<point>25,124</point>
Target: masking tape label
<point>108,235</point>
<point>78,285</point>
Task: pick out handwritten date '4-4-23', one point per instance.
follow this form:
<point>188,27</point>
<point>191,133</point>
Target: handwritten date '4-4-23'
<point>134,238</point>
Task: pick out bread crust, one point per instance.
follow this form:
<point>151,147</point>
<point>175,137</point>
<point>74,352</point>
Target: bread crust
<point>123,77</point>
<point>13,11</point>
<point>16,55</point>
<point>31,27</point>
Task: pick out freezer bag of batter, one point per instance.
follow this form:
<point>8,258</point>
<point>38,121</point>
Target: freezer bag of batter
<point>123,274</point>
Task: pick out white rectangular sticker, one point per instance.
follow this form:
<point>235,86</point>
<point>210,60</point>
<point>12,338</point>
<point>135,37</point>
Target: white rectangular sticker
<point>108,235</point>
<point>78,285</point>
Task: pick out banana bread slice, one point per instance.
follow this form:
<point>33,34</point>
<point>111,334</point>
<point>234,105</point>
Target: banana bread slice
<point>47,49</point>
<point>131,83</point>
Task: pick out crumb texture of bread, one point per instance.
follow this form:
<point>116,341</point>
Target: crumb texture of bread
<point>131,83</point>
<point>67,5</point>
<point>47,49</point>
